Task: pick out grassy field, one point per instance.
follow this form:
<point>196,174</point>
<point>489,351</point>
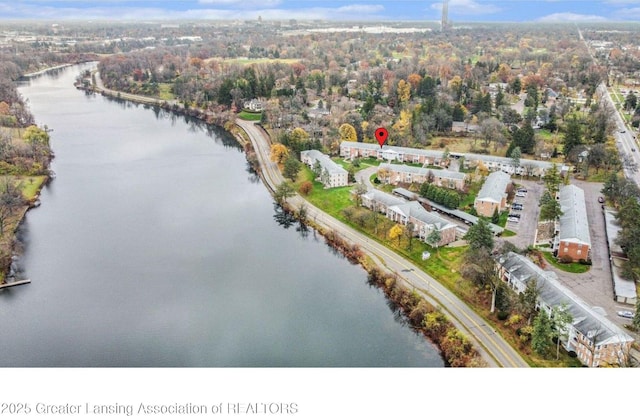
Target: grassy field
<point>165,93</point>
<point>249,116</point>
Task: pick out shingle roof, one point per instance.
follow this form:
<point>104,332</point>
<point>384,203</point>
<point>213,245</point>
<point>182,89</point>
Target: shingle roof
<point>494,187</point>
<point>552,293</point>
<point>325,161</point>
<point>383,197</point>
<point>541,164</point>
<point>574,225</point>
<point>438,173</point>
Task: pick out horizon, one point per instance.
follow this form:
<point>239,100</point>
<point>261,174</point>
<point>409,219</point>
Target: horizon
<point>384,11</point>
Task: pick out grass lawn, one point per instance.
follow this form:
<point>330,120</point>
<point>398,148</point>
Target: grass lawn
<point>31,185</point>
<point>164,92</point>
<point>567,267</point>
<point>249,116</point>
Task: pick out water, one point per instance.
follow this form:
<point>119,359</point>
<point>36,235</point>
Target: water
<point>156,246</point>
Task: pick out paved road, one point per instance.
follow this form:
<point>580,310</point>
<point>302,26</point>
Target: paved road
<point>495,350</point>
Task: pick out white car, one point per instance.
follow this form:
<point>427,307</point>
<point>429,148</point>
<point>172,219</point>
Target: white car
<point>513,219</point>
<point>521,194</point>
<point>626,314</point>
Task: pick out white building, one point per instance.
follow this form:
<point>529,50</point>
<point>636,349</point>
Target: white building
<point>331,174</point>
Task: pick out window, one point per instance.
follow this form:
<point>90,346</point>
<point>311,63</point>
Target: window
<point>566,249</point>
<point>579,252</point>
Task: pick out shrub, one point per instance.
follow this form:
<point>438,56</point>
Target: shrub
<point>305,188</point>
<point>502,315</point>
<point>565,259</point>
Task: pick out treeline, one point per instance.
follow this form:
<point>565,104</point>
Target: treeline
<point>623,194</point>
<point>455,347</point>
<point>449,198</point>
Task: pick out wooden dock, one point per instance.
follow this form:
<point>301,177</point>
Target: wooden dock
<point>17,283</point>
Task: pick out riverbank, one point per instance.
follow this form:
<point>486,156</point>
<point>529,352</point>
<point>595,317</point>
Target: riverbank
<point>493,350</point>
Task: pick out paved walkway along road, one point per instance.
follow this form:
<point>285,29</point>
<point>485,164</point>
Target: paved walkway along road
<point>495,350</point>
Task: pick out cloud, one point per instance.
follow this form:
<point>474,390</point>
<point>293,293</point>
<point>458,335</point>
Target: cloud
<point>241,3</point>
<point>627,14</point>
<point>468,7</point>
<point>571,17</point>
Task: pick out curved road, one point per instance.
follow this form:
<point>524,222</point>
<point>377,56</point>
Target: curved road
<point>495,350</point>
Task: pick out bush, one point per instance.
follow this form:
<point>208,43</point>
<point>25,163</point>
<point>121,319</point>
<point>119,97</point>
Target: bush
<point>305,188</point>
<point>502,315</point>
<point>585,262</point>
<point>566,259</point>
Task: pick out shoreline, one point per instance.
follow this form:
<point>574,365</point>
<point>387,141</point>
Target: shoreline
<point>464,321</point>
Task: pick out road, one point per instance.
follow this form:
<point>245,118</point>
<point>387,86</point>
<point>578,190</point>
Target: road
<point>495,350</point>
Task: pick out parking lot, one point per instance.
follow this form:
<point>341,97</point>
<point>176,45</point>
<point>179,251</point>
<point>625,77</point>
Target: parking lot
<point>526,226</point>
<point>595,287</point>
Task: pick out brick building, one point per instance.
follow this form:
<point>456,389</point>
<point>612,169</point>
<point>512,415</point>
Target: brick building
<point>493,194</point>
<point>572,240</point>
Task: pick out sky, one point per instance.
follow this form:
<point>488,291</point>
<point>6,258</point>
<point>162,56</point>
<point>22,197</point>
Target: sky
<point>420,10</point>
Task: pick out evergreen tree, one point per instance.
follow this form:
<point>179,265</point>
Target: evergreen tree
<point>572,135</point>
<point>480,235</point>
<point>542,333</point>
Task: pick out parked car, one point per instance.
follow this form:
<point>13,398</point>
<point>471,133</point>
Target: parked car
<point>521,194</point>
<point>517,207</point>
<point>513,219</point>
<point>512,215</point>
<point>626,314</point>
<point>601,199</point>
<point>521,190</point>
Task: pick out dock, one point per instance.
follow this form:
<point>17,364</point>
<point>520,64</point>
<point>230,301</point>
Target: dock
<point>16,283</point>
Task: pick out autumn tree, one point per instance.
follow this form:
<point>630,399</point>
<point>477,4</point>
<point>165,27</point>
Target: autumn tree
<point>279,153</point>
<point>396,232</point>
<point>403,92</point>
<point>305,188</point>
<point>347,132</point>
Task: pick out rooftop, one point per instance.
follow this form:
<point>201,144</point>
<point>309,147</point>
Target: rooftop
<point>552,293</point>
<point>574,225</point>
<point>494,187</point>
<point>438,173</point>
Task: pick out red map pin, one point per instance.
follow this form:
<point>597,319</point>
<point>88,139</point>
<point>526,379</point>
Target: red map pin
<point>381,135</point>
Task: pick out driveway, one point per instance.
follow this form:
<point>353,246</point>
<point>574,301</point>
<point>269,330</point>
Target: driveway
<point>525,229</point>
<point>364,175</point>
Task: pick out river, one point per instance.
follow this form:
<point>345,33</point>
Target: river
<point>156,246</point>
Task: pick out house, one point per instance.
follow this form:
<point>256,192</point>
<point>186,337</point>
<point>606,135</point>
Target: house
<point>595,340</point>
<point>254,105</point>
<point>464,127</point>
<point>330,174</point>
<point>403,212</point>
<point>493,194</point>
<point>394,174</point>
<point>572,239</point>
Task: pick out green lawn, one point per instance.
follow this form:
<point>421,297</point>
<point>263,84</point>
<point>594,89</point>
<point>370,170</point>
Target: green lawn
<point>31,185</point>
<point>567,267</point>
<point>165,93</point>
<point>249,116</point>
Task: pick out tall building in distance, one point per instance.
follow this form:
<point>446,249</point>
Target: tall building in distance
<point>444,23</point>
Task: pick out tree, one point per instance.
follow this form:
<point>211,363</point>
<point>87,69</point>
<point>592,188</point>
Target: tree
<point>347,132</point>
<point>478,266</point>
<point>495,218</point>
<point>480,235</point>
<point>550,208</point>
<point>515,159</point>
<point>283,191</point>
<point>552,179</point>
<point>396,232</point>
<point>279,153</point>
<point>292,167</point>
<point>403,92</point>
<point>572,135</point>
<point>542,333</point>
<point>305,188</point>
<point>560,319</point>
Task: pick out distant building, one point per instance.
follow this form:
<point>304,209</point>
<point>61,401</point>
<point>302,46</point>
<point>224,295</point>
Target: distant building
<point>595,340</point>
<point>527,167</point>
<point>493,194</point>
<point>410,174</point>
<point>331,174</point>
<point>624,290</point>
<point>254,105</point>
<point>572,232</point>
